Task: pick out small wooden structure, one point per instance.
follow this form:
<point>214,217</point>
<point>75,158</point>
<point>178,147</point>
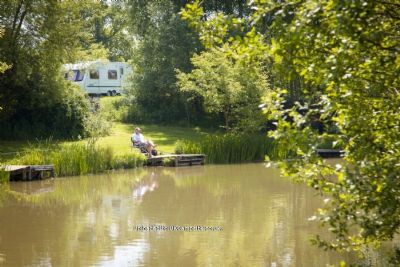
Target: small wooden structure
<point>330,153</point>
<point>177,160</point>
<point>29,172</point>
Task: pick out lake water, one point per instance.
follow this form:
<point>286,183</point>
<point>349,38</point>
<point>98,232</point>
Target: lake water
<point>215,215</point>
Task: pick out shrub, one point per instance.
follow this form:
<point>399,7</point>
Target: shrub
<point>128,161</point>
<point>96,125</point>
<point>62,117</point>
<point>114,108</point>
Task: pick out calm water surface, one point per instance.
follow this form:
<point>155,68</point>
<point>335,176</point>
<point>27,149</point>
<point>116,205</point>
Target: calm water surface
<point>101,220</point>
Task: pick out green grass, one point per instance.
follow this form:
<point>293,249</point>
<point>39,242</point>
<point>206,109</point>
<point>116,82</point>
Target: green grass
<point>4,175</point>
<point>164,137</point>
<point>77,158</point>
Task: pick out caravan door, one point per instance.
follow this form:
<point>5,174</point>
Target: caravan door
<point>93,81</point>
<point>111,82</point>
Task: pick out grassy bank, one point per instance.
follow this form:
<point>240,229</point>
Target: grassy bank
<point>164,137</point>
<point>119,140</point>
<point>81,157</point>
<point>77,158</point>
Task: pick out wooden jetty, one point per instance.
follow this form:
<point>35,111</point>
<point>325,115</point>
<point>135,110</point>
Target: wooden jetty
<point>177,160</point>
<point>330,153</point>
<point>29,172</point>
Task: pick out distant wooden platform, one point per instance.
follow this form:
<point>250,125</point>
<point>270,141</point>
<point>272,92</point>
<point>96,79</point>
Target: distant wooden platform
<point>29,172</point>
<point>177,160</point>
<point>330,153</point>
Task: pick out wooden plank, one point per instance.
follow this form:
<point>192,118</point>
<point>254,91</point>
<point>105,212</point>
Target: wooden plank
<point>177,159</point>
<point>15,167</point>
<point>29,172</point>
<point>42,167</point>
<point>329,153</point>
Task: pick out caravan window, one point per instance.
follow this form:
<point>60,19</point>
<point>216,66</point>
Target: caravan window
<point>74,75</point>
<point>79,75</point>
<point>121,71</point>
<point>112,75</point>
<point>94,74</point>
<point>69,76</point>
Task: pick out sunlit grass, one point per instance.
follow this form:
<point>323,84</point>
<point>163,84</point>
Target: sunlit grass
<point>119,140</point>
<point>164,137</point>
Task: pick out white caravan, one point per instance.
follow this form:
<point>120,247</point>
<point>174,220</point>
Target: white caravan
<point>99,77</point>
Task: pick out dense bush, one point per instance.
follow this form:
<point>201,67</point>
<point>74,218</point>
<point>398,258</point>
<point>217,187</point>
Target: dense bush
<point>114,108</point>
<point>35,100</point>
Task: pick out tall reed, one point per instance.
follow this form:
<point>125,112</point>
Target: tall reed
<point>4,175</point>
<point>230,148</point>
<point>79,158</point>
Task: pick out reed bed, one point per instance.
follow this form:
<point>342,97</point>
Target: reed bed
<point>78,158</point>
<point>4,176</point>
<point>230,148</point>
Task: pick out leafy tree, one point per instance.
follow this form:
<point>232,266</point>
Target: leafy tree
<point>38,37</point>
<point>228,87</point>
<point>349,52</point>
<point>165,43</point>
<point>107,27</point>
<point>3,65</point>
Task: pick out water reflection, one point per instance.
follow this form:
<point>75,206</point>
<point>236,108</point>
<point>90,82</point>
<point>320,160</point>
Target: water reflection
<point>93,220</point>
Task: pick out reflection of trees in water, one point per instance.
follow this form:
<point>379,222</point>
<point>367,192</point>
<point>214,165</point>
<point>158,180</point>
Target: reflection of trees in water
<point>264,218</point>
<point>73,225</point>
<point>91,220</point>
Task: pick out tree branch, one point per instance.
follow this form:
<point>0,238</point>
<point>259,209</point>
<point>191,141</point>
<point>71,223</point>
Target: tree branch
<point>16,16</point>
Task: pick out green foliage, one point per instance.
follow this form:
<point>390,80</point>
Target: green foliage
<point>107,25</point>
<point>221,82</point>
<point>96,125</point>
<point>114,108</point>
<point>169,162</point>
<point>78,158</point>
<point>62,119</point>
<point>329,141</point>
<point>347,52</point>
<point>3,66</point>
<point>167,45</point>
<point>230,148</point>
<point>164,44</point>
<point>128,161</point>
<point>4,175</point>
<point>357,76</point>
<point>39,36</point>
<point>186,146</point>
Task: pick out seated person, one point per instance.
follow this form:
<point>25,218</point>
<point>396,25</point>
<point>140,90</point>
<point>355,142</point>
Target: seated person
<point>144,145</point>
